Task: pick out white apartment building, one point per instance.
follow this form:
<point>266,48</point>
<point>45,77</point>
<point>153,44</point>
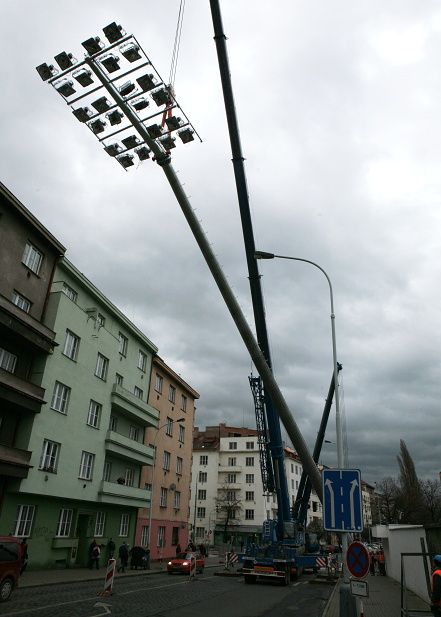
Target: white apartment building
<point>227,497</point>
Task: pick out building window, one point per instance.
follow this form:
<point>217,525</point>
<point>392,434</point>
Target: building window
<point>129,477</point>
<point>200,532</point>
<point>134,433</point>
<point>297,471</point>
<point>202,494</point>
<point>23,522</point>
<point>107,471</point>
<point>32,258</point>
<point>231,478</point>
<point>232,445</point>
<point>203,459</point>
<point>166,461</point>
<point>119,379</point>
<point>100,320</point>
<point>249,495</point>
<point>102,364</point>
<point>169,427</point>
<point>179,462</point>
<point>64,523</point>
<point>183,402</point>
<point>69,292</point>
<point>175,536</point>
<point>144,535</point>
<point>297,484</point>
<point>60,397</point>
<point>249,515</point>
<point>71,345</point>
<point>8,360</point>
<point>99,524</point>
<point>171,394</point>
<point>292,467</point>
<point>249,478</point>
<point>49,456</point>
<point>177,500</point>
<point>231,496</point>
<point>161,537</point>
<point>142,361</point>
<point>138,392</point>
<point>163,498</point>
<point>250,445</point>
<point>158,383</point>
<point>124,525</point>
<point>113,425</point>
<point>86,465</point>
<point>233,513</point>
<point>123,343</point>
<point>292,485</point>
<point>232,461</point>
<point>202,476</point>
<point>249,461</point>
<point>181,436</point>
<point>23,303</point>
<point>200,513</point>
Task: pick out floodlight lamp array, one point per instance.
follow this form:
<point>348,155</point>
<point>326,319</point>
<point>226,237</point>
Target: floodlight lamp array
<point>126,160</point>
<point>130,51</point>
<point>161,97</point>
<point>93,45</point>
<point>83,77</point>
<point>83,114</point>
<point>46,71</point>
<point>113,32</point>
<point>65,60</point>
<point>65,87</point>
<point>115,117</point>
<point>102,104</point>
<point>110,63</point>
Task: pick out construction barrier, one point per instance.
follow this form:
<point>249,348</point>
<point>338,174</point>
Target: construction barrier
<point>110,575</point>
<point>230,559</point>
<point>321,562</point>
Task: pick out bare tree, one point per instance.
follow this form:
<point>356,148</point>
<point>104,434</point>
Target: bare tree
<point>228,506</point>
<point>385,508</point>
<point>431,493</point>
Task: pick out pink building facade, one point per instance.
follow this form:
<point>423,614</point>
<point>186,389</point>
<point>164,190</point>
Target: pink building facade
<point>168,480</point>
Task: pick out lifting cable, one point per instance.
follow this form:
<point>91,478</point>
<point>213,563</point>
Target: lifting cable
<point>174,62</point>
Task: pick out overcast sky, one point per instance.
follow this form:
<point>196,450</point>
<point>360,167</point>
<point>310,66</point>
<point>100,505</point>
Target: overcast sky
<point>338,106</point>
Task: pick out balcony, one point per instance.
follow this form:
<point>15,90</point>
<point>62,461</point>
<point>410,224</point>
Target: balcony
<point>128,449</point>
<point>122,495</point>
<point>230,468</point>
<point>14,463</point>
<point>20,393</point>
<point>130,405</point>
<point>25,326</point>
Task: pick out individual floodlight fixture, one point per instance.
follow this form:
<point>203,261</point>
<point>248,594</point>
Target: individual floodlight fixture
<point>131,142</point>
<point>147,82</point>
<point>93,45</point>
<point>83,77</point>
<point>113,32</point>
<point>115,117</point>
<point>173,123</point>
<point>102,104</point>
<point>161,97</point>
<point>186,135</point>
<point>46,71</point>
<point>126,160</point>
<point>140,104</point>
<point>65,87</point>
<point>113,149</point>
<point>110,63</point>
<point>97,126</point>
<point>83,114</point>
<point>154,130</point>
<point>130,51</point>
<point>126,88</point>
<point>143,153</point>
<point>65,60</point>
<point>168,142</point>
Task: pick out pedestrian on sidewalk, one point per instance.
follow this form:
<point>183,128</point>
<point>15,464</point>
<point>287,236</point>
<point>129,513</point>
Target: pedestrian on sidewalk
<point>110,549</point>
<point>435,605</point>
<point>94,554</point>
<point>381,563</point>
<point>178,549</point>
<point>371,563</point>
<point>24,555</point>
<point>123,554</point>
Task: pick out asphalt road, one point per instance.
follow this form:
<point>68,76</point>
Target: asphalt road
<point>166,596</point>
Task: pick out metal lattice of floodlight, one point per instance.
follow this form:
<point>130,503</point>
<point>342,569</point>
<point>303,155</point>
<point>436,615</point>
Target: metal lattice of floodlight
<point>110,91</point>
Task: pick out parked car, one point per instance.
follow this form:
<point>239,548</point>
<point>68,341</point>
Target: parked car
<point>181,563</point>
<point>10,565</point>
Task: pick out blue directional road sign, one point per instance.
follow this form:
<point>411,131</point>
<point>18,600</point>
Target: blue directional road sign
<point>342,500</point>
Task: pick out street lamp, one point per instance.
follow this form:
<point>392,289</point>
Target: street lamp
<point>153,479</point>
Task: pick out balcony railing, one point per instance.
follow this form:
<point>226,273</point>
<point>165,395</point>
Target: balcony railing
<point>20,392</point>
<point>14,462</point>
<point>128,449</point>
<point>123,495</point>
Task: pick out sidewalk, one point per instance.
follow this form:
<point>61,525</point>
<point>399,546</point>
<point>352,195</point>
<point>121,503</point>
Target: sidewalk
<point>384,600</point>
<point>35,578</point>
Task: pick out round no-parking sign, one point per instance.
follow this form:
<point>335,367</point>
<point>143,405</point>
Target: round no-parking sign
<point>357,559</point>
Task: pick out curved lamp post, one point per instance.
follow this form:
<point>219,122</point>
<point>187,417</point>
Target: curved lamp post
<point>153,479</point>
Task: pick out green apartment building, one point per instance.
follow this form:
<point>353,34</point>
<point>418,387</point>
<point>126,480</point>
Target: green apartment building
<point>87,442</point>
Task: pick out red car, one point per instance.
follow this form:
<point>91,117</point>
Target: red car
<point>10,565</point>
<point>181,563</point>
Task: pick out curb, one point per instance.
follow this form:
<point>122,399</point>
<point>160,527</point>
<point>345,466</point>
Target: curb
<point>331,598</point>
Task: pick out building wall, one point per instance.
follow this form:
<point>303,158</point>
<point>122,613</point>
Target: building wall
<point>173,520</point>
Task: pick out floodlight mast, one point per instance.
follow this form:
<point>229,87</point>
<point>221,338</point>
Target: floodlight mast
<point>163,159</point>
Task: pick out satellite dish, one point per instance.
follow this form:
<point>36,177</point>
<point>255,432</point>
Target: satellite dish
<point>172,487</point>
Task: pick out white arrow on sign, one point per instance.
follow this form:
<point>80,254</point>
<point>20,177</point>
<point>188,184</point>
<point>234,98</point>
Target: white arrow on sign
<point>328,485</point>
<point>354,485</point>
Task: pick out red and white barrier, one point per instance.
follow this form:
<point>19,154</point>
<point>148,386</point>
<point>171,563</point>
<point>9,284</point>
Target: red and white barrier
<point>321,562</point>
<point>231,559</point>
<point>110,575</point>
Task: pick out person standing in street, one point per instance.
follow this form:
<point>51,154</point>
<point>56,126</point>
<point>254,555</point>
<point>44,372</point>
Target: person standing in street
<point>123,554</point>
<point>435,605</point>
<point>381,563</point>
